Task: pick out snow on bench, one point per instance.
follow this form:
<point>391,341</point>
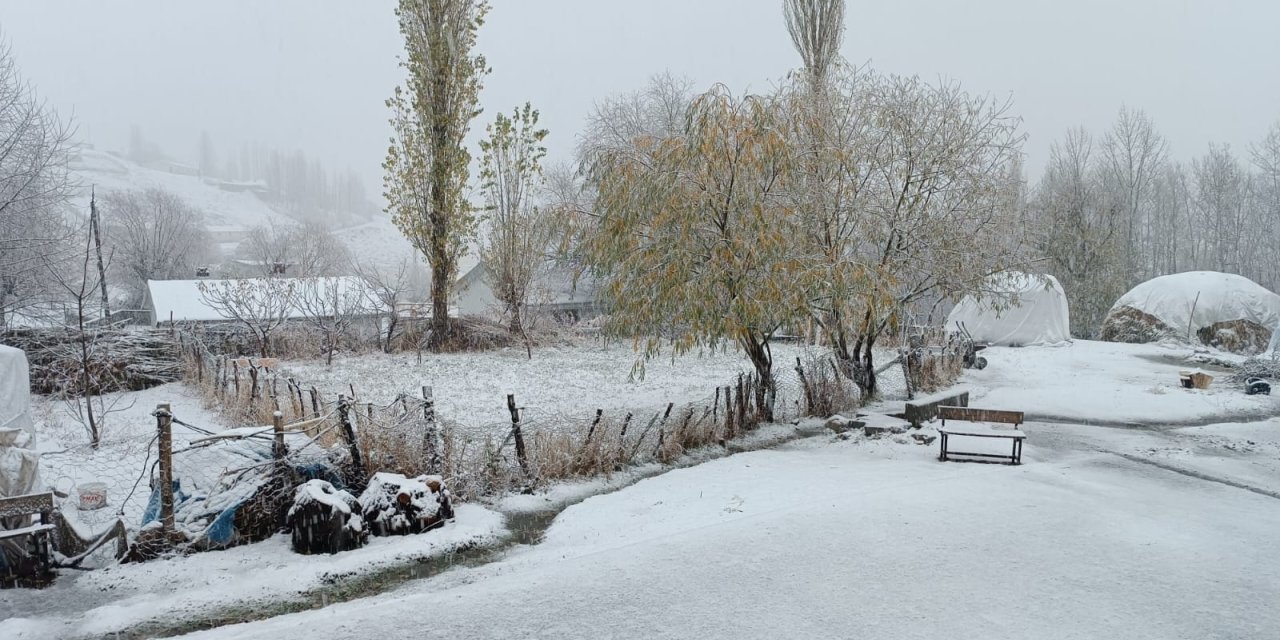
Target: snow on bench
<point>972,422</point>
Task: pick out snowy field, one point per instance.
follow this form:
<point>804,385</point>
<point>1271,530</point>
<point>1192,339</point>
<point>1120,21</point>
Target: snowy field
<point>1124,521</point>
<point>471,389</point>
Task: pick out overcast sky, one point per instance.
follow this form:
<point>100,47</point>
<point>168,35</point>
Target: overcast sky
<point>313,74</point>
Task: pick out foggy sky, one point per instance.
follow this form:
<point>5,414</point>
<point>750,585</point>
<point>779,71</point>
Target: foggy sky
<point>313,74</point>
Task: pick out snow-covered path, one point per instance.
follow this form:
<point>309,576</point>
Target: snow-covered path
<point>857,539</point>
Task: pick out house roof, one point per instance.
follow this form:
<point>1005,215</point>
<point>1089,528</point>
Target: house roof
<point>186,302</point>
<point>554,285</point>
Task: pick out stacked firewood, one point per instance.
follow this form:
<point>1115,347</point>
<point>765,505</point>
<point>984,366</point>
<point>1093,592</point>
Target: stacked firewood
<point>66,361</point>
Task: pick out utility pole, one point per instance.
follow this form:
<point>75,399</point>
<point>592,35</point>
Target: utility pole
<point>97,241</point>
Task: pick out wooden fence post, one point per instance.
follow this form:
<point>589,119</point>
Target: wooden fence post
<point>235,367</point>
<point>315,402</point>
<point>277,424</point>
<point>431,434</point>
<point>349,432</point>
<point>516,433</point>
<point>164,424</point>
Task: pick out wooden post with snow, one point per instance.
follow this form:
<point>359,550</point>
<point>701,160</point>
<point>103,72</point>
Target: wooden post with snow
<point>349,432</point>
<point>517,434</point>
<point>164,424</point>
<point>431,433</point>
<point>277,427</point>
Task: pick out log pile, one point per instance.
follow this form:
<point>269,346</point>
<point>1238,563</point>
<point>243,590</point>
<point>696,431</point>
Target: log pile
<point>116,359</point>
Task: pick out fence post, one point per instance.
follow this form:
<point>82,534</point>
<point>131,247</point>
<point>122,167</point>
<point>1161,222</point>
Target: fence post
<point>164,423</point>
<point>348,431</point>
<point>277,424</point>
<point>515,432</point>
<point>315,402</point>
<point>431,434</point>
<point>235,368</point>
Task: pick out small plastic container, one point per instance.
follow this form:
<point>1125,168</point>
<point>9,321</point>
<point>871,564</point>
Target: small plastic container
<point>93,495</point>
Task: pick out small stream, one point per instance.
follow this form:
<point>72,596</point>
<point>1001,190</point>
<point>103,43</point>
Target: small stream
<point>525,528</point>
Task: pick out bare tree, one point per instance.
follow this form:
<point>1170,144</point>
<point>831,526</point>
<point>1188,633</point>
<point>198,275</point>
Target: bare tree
<point>386,289</point>
<point>1133,155</point>
<point>305,250</point>
<point>331,306</point>
<point>1220,199</point>
<point>79,283</point>
<point>34,189</point>
<point>154,235</point>
<point>261,305</point>
<point>1080,228</point>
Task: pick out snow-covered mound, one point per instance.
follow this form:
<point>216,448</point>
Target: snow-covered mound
<point>1014,310</point>
<point>1223,310</point>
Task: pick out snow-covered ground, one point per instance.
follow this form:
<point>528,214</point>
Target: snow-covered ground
<point>471,389</point>
<point>269,573</point>
<point>825,539</point>
<point>1151,530</point>
<point>128,448</point>
<point>1101,382</point>
<point>223,210</point>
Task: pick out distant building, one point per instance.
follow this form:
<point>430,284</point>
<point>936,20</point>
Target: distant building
<point>555,291</point>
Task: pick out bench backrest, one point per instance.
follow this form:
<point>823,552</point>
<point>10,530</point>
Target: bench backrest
<point>26,505</point>
<point>974,414</point>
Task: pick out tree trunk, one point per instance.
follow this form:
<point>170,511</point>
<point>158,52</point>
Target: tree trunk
<point>762,359</point>
<point>102,269</point>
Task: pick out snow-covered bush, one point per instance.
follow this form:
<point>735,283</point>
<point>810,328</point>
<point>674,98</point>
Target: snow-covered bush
<point>393,504</point>
<point>325,519</point>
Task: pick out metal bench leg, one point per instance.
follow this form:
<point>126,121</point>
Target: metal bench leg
<point>942,455</point>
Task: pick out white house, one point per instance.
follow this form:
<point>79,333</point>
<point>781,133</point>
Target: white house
<point>554,291</point>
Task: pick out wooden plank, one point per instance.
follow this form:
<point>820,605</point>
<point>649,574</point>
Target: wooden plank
<point>26,505</point>
<point>974,414</point>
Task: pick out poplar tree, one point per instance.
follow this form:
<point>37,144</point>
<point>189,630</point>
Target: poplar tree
<point>427,166</point>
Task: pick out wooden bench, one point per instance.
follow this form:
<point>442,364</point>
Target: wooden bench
<point>972,422</point>
<point>33,538</point>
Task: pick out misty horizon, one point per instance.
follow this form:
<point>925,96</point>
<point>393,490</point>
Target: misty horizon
<point>314,76</point>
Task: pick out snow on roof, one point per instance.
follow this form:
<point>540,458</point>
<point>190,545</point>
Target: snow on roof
<point>1197,299</point>
<point>1041,315</point>
<point>186,302</point>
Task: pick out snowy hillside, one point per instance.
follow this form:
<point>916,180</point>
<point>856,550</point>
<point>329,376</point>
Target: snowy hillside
<point>225,211</point>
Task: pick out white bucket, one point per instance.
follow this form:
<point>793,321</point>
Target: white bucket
<point>93,495</point>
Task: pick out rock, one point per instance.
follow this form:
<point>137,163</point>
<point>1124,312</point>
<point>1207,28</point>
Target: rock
<point>876,424</point>
<point>924,438</point>
<point>838,424</point>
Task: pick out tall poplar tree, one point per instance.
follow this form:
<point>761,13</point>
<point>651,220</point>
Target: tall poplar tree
<point>427,166</point>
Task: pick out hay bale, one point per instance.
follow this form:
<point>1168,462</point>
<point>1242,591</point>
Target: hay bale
<point>1237,336</point>
<point>1133,326</point>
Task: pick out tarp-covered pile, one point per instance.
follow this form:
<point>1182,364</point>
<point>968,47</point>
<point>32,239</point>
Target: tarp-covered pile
<point>1015,310</point>
<point>1221,310</point>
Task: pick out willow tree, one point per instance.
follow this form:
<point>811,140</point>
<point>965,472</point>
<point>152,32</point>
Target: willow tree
<point>693,242</point>
<point>519,232</point>
<point>427,166</point>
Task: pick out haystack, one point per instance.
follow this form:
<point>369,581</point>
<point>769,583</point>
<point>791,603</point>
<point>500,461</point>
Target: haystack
<point>1014,310</point>
<point>1220,310</point>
